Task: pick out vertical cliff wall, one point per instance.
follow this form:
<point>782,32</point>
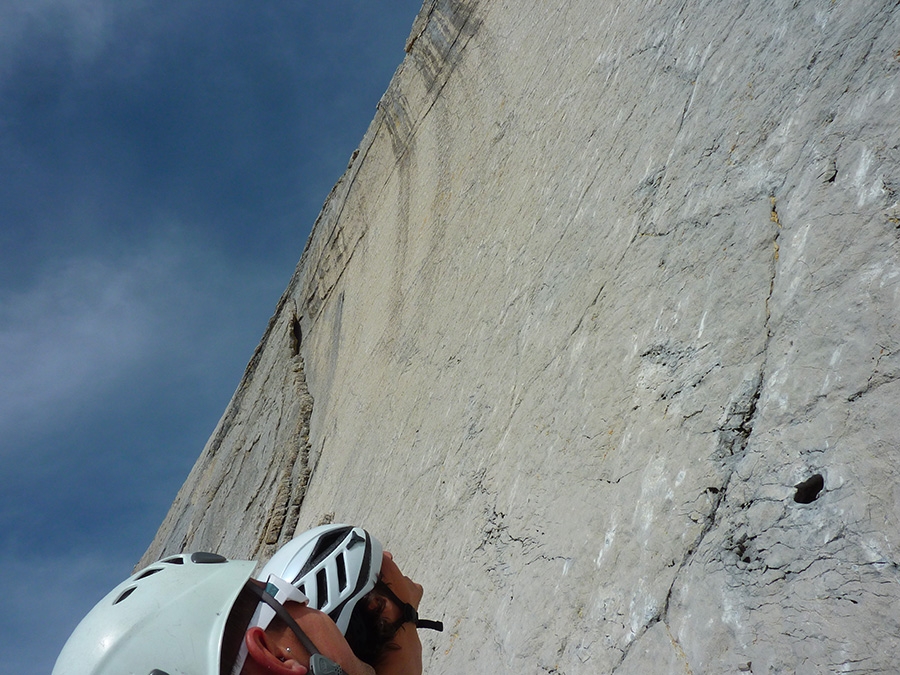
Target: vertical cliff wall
<point>599,332</point>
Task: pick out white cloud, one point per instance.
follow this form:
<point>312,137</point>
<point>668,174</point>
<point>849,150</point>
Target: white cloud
<point>84,25</point>
<point>88,325</point>
<point>68,337</point>
<point>69,342</point>
<point>82,29</point>
<point>89,330</point>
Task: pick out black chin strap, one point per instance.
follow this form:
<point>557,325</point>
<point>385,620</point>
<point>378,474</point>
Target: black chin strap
<point>408,613</point>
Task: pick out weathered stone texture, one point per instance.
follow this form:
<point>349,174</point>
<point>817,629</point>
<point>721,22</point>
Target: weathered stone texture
<point>603,284</point>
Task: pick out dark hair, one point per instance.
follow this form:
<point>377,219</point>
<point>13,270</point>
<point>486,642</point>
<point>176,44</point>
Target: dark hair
<point>368,633</point>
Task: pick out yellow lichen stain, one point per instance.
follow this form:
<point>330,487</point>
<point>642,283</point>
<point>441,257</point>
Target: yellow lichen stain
<point>454,636</point>
<point>774,215</point>
<point>776,251</point>
<point>677,648</point>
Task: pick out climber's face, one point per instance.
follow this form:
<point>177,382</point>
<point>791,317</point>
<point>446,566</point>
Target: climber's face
<point>278,650</point>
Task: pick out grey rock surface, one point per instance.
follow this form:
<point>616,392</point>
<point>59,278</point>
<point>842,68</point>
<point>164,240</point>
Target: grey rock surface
<point>603,285</point>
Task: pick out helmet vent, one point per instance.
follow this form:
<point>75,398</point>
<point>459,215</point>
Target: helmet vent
<point>125,594</point>
<point>321,588</point>
<point>174,560</point>
<point>147,573</point>
<point>342,572</point>
<point>325,545</point>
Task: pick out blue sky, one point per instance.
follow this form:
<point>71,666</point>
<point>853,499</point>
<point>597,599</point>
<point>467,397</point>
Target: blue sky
<point>161,164</point>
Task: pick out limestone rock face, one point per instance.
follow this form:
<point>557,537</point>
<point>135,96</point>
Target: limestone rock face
<point>599,334</point>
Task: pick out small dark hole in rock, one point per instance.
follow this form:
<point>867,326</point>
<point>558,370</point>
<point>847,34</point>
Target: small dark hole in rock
<point>808,491</point>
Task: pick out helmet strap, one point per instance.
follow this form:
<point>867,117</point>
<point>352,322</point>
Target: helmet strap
<point>318,664</point>
<point>408,613</point>
<point>285,616</point>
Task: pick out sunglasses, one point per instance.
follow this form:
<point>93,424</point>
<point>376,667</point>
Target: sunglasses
<point>272,599</point>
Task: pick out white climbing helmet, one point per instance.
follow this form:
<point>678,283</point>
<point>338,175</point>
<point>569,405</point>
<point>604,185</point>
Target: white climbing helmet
<point>181,603</point>
<point>333,565</point>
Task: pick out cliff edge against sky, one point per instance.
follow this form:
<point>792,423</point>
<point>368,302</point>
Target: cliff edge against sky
<point>599,334</point>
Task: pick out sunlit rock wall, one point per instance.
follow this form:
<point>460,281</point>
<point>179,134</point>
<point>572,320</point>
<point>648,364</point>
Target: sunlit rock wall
<point>603,285</point>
